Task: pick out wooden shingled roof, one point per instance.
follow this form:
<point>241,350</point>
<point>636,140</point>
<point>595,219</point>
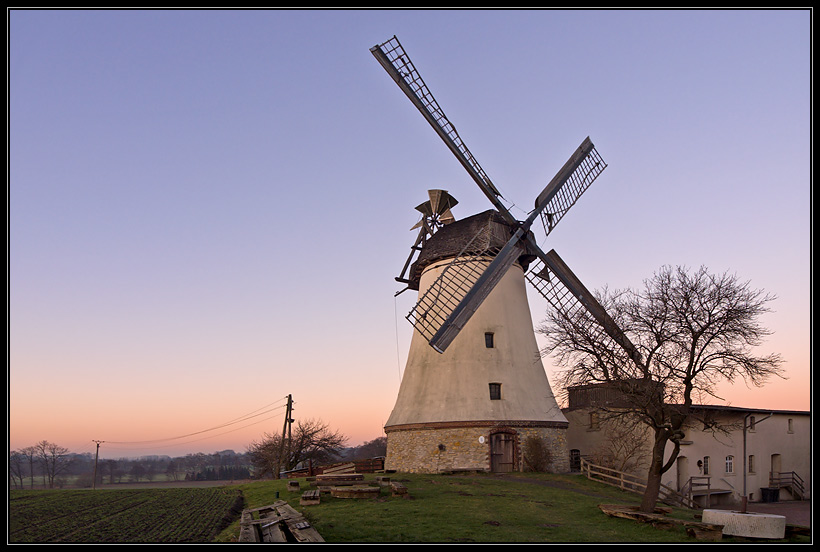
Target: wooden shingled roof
<point>488,232</point>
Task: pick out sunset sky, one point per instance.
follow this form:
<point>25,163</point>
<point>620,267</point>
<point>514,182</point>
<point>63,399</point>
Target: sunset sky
<point>207,209</point>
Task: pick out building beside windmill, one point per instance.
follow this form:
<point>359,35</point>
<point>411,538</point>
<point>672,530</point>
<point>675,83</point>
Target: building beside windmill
<point>486,401</point>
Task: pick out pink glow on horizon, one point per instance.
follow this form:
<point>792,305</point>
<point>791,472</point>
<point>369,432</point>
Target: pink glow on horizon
<point>207,221</point>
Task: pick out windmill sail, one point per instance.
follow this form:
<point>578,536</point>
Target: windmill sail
<point>458,291</point>
<point>581,169</point>
<point>395,61</point>
<point>554,280</point>
<point>577,174</point>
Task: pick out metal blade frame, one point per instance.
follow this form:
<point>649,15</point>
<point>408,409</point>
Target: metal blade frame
<point>394,60</point>
<point>437,304</point>
<point>574,178</point>
<point>567,186</point>
<point>564,284</point>
<point>482,288</point>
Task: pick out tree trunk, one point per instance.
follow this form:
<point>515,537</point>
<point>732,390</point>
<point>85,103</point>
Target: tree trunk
<point>653,480</point>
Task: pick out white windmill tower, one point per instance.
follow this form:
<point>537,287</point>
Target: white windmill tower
<point>474,389</point>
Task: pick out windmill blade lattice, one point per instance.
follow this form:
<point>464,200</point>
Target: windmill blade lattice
<point>395,61</point>
<point>555,204</point>
<point>553,279</point>
<point>436,305</point>
<point>463,285</point>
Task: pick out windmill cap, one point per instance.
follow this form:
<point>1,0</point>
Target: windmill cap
<point>490,230</point>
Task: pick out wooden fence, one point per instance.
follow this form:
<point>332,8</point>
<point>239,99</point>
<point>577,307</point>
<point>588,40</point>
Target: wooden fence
<point>632,483</point>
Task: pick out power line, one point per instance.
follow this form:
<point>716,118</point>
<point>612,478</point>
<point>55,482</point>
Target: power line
<point>250,415</point>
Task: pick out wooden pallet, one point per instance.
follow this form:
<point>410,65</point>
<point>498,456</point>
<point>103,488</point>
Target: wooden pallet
<point>278,522</point>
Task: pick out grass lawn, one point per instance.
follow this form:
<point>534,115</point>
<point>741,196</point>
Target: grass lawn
<point>471,508</point>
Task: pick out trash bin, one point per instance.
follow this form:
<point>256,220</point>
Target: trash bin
<point>769,494</point>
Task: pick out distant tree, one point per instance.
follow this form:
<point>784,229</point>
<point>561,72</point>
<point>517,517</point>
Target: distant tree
<point>109,467</point>
<point>137,471</point>
<point>693,330</point>
<point>171,471</point>
<point>371,449</point>
<point>17,469</point>
<point>312,441</point>
<point>53,459</point>
<point>29,456</point>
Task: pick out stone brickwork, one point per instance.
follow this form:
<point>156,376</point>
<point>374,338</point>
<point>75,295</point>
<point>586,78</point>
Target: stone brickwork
<point>450,448</point>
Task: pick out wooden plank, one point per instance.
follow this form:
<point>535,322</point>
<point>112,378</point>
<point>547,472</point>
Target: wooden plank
<point>355,491</point>
<point>310,498</point>
<point>349,467</point>
<point>298,526</point>
<point>277,522</point>
<point>272,531</point>
<point>698,530</point>
<point>247,531</point>
<point>340,477</point>
<point>397,489</point>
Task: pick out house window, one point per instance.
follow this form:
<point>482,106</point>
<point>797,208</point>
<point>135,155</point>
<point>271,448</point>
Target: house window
<point>488,340</point>
<point>495,391</point>
<point>751,423</point>
<point>751,463</point>
<point>791,425</point>
<point>593,420</point>
<point>730,464</point>
<point>705,465</point>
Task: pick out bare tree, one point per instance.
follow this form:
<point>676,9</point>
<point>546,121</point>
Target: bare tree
<point>624,447</point>
<point>371,449</point>
<point>29,456</point>
<point>692,330</point>
<point>54,460</point>
<point>311,440</point>
<point>17,464</point>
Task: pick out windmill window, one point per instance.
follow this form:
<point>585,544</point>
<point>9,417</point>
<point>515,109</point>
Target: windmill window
<point>489,340</point>
<point>495,391</point>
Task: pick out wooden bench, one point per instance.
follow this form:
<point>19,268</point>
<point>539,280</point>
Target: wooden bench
<point>310,497</point>
<point>337,478</point>
<point>355,491</point>
<point>397,489</point>
<point>293,486</point>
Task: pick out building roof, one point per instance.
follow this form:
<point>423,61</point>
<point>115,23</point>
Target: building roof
<point>487,231</point>
<point>724,408</point>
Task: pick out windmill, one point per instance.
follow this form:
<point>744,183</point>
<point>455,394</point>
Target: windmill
<point>551,277</point>
<point>474,270</point>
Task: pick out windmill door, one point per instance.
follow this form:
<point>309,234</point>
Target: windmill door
<point>502,447</point>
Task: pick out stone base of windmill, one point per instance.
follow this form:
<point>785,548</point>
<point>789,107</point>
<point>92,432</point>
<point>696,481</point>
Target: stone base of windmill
<point>749,524</point>
<point>452,447</point>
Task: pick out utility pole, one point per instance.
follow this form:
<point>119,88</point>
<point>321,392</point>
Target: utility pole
<point>96,458</point>
<point>285,429</point>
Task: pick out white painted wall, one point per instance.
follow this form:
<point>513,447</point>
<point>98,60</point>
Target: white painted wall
<point>454,386</point>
